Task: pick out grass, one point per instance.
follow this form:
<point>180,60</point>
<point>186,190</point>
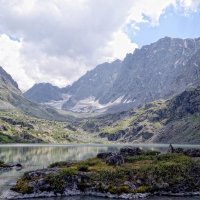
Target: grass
<point>121,125</point>
<point>6,138</point>
<point>147,171</point>
<point>44,131</point>
<point>22,186</point>
<point>196,118</point>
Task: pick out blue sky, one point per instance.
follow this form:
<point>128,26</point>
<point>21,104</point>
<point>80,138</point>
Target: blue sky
<point>173,23</point>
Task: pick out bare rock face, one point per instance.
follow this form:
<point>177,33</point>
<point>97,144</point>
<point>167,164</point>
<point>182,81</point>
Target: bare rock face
<point>159,70</point>
<point>44,92</point>
<point>6,79</point>
<point>156,71</point>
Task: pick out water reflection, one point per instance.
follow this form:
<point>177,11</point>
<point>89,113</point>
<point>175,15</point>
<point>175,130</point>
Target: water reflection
<point>37,157</point>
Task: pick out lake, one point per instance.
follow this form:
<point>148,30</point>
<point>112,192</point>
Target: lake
<point>34,157</point>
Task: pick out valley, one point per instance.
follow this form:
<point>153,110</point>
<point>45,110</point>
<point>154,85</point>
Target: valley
<point>158,104</point>
<point>100,99</point>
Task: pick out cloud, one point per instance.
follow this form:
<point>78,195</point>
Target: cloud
<point>12,60</point>
<point>57,41</point>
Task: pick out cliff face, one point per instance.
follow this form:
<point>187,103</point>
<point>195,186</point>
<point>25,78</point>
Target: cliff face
<point>155,71</point>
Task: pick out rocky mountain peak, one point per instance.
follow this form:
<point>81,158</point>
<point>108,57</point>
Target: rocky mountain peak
<point>155,71</point>
<point>6,79</point>
<point>43,92</point>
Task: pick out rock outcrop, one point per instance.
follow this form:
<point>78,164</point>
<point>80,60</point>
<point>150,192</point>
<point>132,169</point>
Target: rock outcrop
<point>136,174</point>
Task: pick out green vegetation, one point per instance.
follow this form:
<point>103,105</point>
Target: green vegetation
<point>16,127</point>
<point>22,186</point>
<point>57,182</point>
<point>2,164</point>
<point>149,172</point>
<point>121,125</point>
<point>6,138</point>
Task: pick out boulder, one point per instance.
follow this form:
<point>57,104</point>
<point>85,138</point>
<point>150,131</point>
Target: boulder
<point>3,128</point>
<point>104,155</point>
<point>130,151</point>
<point>116,136</point>
<point>170,149</point>
<point>116,160</point>
<point>188,152</point>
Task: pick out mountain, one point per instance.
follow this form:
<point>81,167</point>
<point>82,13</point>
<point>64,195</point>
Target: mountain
<point>8,88</point>
<point>93,84</point>
<point>22,121</point>
<point>159,70</point>
<point>156,71</point>
<point>176,120</point>
<point>11,98</point>
<point>44,92</point>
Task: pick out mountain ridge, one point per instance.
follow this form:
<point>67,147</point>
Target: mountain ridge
<point>43,92</point>
<point>11,98</point>
<point>155,71</point>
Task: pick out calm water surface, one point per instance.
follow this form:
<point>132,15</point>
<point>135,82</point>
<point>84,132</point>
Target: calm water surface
<point>34,157</point>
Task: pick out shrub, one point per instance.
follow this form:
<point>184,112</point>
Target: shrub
<point>56,182</point>
<point>60,164</point>
<point>83,168</point>
<point>118,189</point>
<point>142,189</point>
<point>67,172</point>
<point>22,187</point>
<point>2,164</point>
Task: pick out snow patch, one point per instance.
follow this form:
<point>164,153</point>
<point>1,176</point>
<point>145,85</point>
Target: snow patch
<point>196,65</point>
<point>185,44</point>
<point>90,104</point>
<point>58,104</point>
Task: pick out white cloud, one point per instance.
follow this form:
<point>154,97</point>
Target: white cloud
<point>59,40</point>
<point>12,61</point>
<point>119,46</point>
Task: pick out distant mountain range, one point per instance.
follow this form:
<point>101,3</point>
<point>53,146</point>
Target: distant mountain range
<point>43,92</point>
<point>156,71</point>
<point>11,98</point>
<point>152,96</point>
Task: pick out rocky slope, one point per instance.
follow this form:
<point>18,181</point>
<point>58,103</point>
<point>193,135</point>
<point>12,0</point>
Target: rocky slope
<point>159,70</point>
<point>11,98</point>
<point>176,120</point>
<point>43,92</point>
<point>16,127</point>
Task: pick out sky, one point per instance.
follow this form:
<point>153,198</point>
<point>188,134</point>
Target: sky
<point>58,41</point>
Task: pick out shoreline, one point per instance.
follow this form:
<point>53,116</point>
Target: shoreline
<point>98,145</point>
<point>14,195</point>
<point>131,173</point>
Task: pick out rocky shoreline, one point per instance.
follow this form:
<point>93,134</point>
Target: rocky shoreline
<point>9,166</point>
<point>130,173</point>
<point>14,195</point>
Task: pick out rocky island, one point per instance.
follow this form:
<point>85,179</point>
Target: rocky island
<point>130,173</point>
